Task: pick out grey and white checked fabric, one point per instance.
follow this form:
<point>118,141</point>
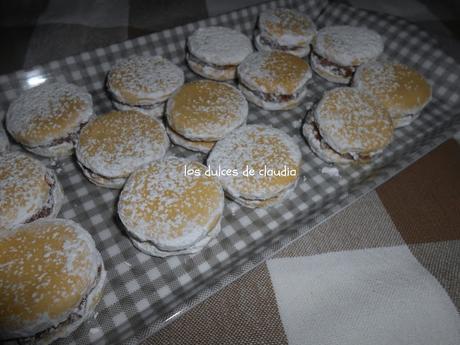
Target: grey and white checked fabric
<point>143,293</point>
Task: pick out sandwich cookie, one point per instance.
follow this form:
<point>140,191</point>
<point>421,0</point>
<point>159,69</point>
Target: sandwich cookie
<point>113,145</point>
<point>274,80</point>
<point>46,119</point>
<point>214,52</point>
<point>403,91</point>
<point>347,125</point>
<point>285,29</point>
<point>271,155</point>
<point>51,278</point>
<point>205,111</point>
<point>28,190</point>
<point>339,50</point>
<point>171,207</point>
<point>143,83</point>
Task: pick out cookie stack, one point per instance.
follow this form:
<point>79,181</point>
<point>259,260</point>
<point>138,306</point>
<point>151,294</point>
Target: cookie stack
<point>113,145</point>
<point>272,156</point>
<point>143,83</point>
<point>203,112</point>
<point>167,211</point>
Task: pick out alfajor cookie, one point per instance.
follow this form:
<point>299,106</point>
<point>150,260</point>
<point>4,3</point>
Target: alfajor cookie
<point>205,111</point>
<point>286,30</point>
<point>403,91</point>
<point>143,83</point>
<point>171,207</point>
<point>339,50</point>
<point>51,279</point>
<point>274,80</point>
<point>347,125</point>
<point>214,52</point>
<point>272,156</point>
<point>46,119</point>
<point>111,146</point>
<point>28,190</point>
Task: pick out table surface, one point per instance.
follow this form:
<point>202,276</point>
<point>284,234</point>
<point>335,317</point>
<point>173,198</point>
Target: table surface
<point>384,270</point>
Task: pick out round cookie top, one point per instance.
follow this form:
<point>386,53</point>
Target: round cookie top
<point>219,45</point>
<point>347,45</point>
<point>287,27</point>
<point>117,143</point>
<point>274,72</point>
<point>47,112</point>
<point>401,89</point>
<point>256,147</point>
<point>46,269</point>
<point>23,188</point>
<point>144,80</point>
<point>206,110</point>
<point>161,204</point>
<point>352,121</point>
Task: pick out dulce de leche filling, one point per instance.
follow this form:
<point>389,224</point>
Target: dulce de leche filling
<point>324,145</point>
<point>196,60</point>
<point>342,71</point>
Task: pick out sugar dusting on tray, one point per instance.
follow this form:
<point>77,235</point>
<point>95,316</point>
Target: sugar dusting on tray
<point>331,171</point>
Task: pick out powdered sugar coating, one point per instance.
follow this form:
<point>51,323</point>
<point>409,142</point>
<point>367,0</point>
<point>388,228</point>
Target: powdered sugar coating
<point>274,72</point>
<point>47,112</point>
<point>350,121</point>
<point>255,146</point>
<point>219,45</point>
<point>161,205</point>
<point>402,90</point>
<point>25,189</point>
<point>286,27</point>
<point>348,45</point>
<point>46,268</point>
<point>206,110</point>
<point>144,80</point>
<point>117,143</point>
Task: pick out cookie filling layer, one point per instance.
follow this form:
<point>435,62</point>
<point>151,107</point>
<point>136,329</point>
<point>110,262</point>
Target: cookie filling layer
<point>325,146</point>
<point>100,178</point>
<point>149,247</point>
<point>196,60</point>
<point>333,68</point>
<point>47,209</point>
<point>70,138</point>
<point>276,98</point>
<point>142,106</point>
<point>275,45</point>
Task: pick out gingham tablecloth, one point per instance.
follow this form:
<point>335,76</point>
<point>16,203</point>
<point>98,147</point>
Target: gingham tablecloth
<point>143,293</point>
